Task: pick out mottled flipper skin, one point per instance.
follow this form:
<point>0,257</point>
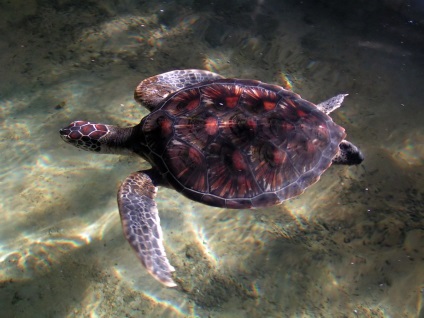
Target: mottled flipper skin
<point>152,91</point>
<point>332,104</point>
<point>141,224</point>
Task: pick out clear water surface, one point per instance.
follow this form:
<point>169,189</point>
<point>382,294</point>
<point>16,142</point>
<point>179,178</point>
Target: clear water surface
<point>351,246</point>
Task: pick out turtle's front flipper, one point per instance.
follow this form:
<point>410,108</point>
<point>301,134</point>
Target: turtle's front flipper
<point>141,224</point>
<point>152,91</point>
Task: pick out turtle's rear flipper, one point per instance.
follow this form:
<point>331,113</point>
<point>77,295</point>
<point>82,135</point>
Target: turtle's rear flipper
<point>141,224</point>
<point>331,104</point>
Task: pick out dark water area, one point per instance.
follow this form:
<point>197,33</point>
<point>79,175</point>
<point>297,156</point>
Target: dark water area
<point>351,246</point>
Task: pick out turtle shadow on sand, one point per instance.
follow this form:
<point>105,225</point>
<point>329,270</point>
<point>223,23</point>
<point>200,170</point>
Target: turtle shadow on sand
<point>284,260</point>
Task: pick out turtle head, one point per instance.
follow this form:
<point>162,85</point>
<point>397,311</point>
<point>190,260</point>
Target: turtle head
<point>95,137</point>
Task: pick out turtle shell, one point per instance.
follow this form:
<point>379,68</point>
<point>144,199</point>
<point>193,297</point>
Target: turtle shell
<point>239,143</point>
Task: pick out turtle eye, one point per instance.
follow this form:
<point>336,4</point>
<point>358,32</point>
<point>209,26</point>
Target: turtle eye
<point>68,135</point>
<point>64,132</point>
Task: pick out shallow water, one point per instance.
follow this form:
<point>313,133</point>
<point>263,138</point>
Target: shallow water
<point>351,246</point>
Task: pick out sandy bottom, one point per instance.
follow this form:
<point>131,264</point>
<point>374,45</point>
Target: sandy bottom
<point>351,246</point>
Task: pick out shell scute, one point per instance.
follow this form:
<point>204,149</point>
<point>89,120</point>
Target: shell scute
<point>185,102</point>
<point>187,164</point>
<point>240,143</point>
<point>272,166</point>
<point>198,129</point>
<point>158,124</point>
<point>239,128</point>
<point>238,204</point>
<point>221,97</point>
<point>257,100</point>
<point>229,172</point>
<point>266,199</point>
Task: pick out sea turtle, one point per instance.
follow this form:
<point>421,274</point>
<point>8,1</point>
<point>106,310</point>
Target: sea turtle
<point>230,143</point>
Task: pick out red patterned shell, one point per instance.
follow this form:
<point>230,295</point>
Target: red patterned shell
<point>239,143</point>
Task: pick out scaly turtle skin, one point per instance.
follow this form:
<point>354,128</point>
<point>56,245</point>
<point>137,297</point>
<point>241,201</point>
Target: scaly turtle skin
<point>222,142</point>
